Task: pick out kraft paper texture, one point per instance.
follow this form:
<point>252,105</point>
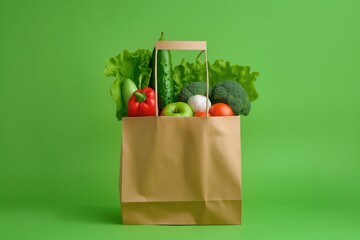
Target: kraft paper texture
<point>181,170</point>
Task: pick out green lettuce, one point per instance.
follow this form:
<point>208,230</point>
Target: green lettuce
<point>219,71</point>
<point>128,65</point>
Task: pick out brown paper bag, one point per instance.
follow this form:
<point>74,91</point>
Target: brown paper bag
<point>181,170</point>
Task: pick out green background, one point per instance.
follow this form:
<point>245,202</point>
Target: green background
<point>60,141</point>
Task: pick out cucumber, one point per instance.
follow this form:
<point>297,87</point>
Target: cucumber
<point>165,82</point>
<point>128,87</point>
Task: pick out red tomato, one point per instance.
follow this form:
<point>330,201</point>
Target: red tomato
<point>221,109</point>
<point>201,114</point>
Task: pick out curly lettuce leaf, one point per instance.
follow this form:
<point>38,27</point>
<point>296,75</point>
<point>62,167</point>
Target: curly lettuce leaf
<point>128,65</point>
<point>219,71</point>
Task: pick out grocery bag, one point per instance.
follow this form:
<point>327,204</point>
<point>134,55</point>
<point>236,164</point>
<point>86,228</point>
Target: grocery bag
<point>181,170</point>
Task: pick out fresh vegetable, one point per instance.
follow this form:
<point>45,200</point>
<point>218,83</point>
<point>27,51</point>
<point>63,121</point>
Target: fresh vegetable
<point>177,109</point>
<point>128,88</point>
<point>142,103</point>
<point>134,66</point>
<point>198,103</point>
<point>165,82</point>
<point>201,114</point>
<point>194,88</point>
<point>234,95</point>
<point>186,73</point>
<point>221,109</point>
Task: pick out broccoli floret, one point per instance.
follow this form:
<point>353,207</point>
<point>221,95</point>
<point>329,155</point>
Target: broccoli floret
<point>194,88</point>
<point>233,94</point>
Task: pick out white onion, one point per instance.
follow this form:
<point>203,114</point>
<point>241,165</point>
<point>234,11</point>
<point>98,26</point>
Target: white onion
<point>198,103</point>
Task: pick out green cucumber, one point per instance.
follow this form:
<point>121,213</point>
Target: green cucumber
<point>165,82</point>
<point>128,87</point>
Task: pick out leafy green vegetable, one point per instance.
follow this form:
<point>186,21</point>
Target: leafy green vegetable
<point>219,71</point>
<point>134,66</point>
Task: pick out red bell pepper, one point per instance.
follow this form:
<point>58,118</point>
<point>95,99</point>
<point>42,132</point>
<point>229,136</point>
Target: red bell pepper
<point>142,103</point>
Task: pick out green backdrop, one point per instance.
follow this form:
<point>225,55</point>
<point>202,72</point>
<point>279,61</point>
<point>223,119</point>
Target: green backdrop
<point>60,140</point>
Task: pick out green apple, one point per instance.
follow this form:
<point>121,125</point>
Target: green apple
<point>177,109</point>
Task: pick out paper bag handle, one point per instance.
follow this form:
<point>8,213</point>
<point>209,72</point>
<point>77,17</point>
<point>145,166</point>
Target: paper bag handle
<point>182,45</point>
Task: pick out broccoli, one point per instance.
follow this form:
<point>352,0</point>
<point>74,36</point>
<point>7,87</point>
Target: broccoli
<point>233,94</point>
<point>194,88</point>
